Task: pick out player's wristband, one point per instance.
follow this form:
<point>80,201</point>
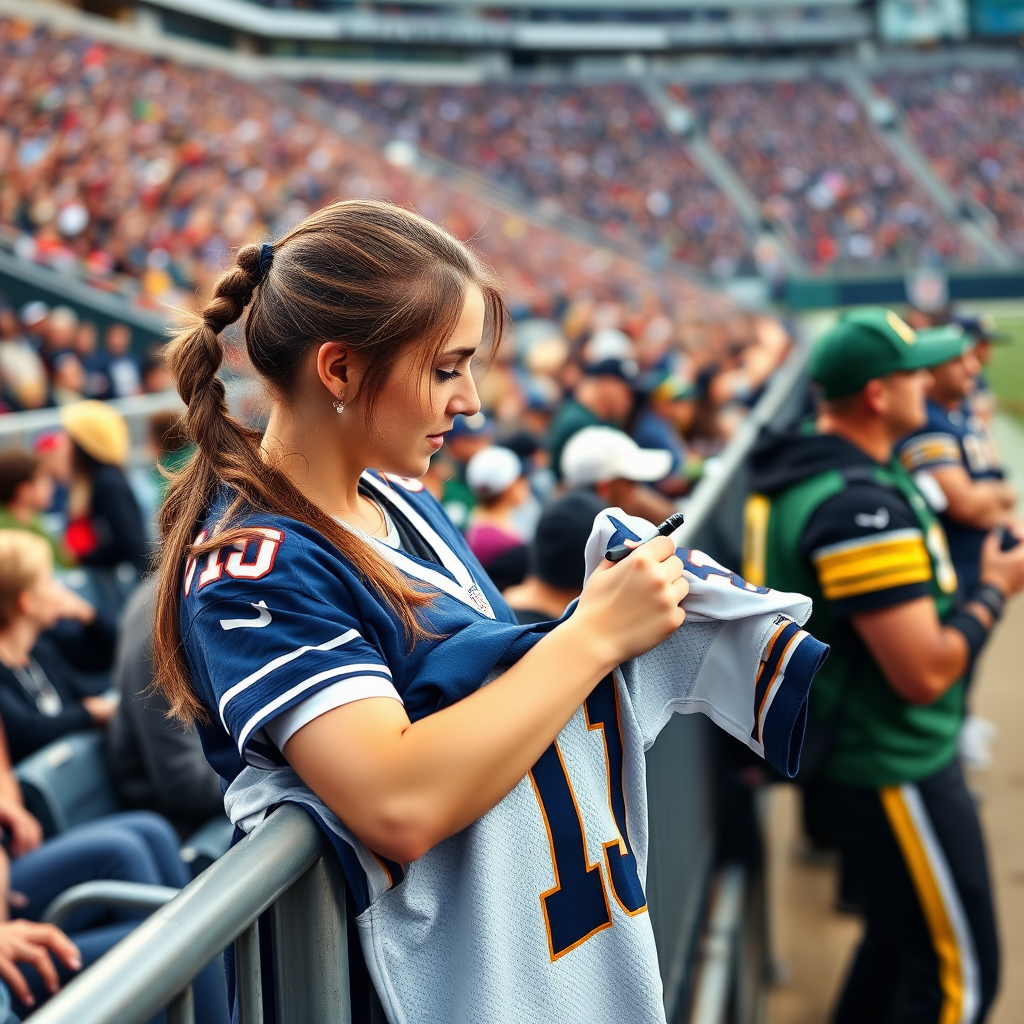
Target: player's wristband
<point>991,598</point>
<point>975,632</point>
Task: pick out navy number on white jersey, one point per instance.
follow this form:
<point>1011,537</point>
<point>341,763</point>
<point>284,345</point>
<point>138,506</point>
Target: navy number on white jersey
<point>577,906</point>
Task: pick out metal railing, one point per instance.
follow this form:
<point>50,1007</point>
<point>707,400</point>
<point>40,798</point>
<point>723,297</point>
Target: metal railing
<point>285,865</point>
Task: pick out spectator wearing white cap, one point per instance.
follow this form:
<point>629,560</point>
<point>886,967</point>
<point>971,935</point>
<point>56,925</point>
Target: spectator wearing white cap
<point>496,478</point>
<point>612,465</point>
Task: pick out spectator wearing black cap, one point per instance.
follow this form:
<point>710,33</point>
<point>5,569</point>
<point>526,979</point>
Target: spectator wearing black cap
<point>555,561</point>
<point>603,397</point>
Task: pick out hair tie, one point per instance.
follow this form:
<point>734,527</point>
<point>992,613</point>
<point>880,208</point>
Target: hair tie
<point>266,258</point>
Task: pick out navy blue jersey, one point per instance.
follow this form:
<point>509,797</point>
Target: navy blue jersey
<point>955,437</point>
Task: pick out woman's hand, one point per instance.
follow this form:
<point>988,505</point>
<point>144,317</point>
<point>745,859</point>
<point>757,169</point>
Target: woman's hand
<point>26,832</point>
<point>629,607</point>
<point>28,942</point>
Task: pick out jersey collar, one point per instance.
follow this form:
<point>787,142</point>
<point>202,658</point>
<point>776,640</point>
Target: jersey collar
<point>462,586</point>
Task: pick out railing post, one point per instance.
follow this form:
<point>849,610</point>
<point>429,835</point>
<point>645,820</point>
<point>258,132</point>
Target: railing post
<point>249,975</point>
<point>182,1009</point>
<point>311,949</point>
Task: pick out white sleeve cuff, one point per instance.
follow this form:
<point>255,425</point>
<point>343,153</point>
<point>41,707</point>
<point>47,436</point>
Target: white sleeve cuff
<point>285,725</point>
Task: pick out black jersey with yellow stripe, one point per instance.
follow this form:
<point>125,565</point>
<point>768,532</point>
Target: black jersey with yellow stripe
<point>856,536</point>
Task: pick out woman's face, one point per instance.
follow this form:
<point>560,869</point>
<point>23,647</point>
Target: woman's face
<point>420,402</point>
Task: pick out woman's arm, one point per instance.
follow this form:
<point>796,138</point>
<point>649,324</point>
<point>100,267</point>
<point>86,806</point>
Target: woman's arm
<point>403,787</point>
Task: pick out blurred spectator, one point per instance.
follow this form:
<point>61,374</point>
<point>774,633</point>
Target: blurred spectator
<point>661,420</point>
<point>613,466</point>
<point>603,397</point>
<point>26,492</point>
<point>156,763</point>
<point>96,364</point>
<point>469,435</point>
<point>33,316</point>
<point>153,372</point>
<point>555,562</point>
<point>56,451</point>
<point>134,847</point>
<point>23,380</point>
<point>170,449</point>
<point>495,476</point>
<point>44,691</point>
<point>61,334</point>
<point>123,367</point>
<point>105,526</point>
<point>68,379</point>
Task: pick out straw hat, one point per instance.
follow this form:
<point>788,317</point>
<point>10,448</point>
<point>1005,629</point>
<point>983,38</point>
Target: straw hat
<point>98,430</point>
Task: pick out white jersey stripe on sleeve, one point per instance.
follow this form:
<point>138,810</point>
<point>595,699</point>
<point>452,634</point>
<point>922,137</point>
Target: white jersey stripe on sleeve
<point>377,672</point>
<point>276,663</point>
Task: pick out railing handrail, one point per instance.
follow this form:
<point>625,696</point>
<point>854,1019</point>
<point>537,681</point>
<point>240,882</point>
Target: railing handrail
<point>158,960</point>
<point>17,423</point>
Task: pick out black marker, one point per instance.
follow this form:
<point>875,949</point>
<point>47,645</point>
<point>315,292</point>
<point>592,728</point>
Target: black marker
<point>667,528</point>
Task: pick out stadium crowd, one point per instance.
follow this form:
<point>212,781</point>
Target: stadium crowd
<point>968,121</point>
<point>598,152</point>
<point>51,357</point>
<point>807,152</point>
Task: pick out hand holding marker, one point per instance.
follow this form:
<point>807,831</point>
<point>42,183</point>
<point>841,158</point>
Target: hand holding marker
<point>667,528</point>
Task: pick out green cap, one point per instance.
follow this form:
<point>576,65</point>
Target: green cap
<point>874,342</point>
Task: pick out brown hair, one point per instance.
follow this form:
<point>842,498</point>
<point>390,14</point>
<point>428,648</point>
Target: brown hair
<point>17,467</point>
<point>23,556</point>
<point>371,274</point>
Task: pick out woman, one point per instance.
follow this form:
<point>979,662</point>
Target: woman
<point>105,527</point>
<point>331,632</point>
<point>45,689</point>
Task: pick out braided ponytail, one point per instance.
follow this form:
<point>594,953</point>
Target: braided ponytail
<point>378,276</point>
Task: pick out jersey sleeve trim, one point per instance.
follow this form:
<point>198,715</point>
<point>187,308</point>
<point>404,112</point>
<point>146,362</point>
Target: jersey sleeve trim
<point>929,451</point>
<point>337,695</point>
<point>868,564</point>
<point>276,663</point>
<point>268,710</point>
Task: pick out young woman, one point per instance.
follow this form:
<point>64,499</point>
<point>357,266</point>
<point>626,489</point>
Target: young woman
<point>332,634</point>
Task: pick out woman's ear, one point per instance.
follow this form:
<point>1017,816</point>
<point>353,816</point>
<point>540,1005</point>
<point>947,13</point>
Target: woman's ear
<point>334,366</point>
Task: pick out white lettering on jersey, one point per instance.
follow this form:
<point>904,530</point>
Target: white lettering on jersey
<point>235,565</point>
<point>878,521</point>
<point>239,569</point>
<point>263,619</point>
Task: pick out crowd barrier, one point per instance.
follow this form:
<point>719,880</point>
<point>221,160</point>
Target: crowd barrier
<point>705,889</point>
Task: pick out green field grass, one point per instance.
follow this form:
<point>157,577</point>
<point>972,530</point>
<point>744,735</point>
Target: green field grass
<point>1005,371</point>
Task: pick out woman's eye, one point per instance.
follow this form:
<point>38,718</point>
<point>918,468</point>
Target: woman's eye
<point>446,375</point>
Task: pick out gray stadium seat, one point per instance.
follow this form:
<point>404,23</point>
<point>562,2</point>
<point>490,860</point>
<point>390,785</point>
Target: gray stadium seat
<point>67,782</point>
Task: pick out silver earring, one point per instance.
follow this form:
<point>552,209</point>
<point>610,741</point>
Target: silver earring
<point>339,404</point>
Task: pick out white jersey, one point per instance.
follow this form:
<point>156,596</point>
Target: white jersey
<point>535,912</point>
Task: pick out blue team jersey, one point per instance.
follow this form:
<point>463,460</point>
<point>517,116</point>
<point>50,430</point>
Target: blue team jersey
<point>955,437</point>
<point>537,910</point>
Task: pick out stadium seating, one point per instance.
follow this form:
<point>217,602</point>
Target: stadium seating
<point>970,124</point>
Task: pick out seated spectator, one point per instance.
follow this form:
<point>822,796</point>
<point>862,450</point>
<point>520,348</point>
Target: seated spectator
<point>23,381</point>
<point>95,363</point>
<point>495,476</point>
<point>469,435</point>
<point>662,419</point>
<point>60,334</point>
<point>613,466</point>
<point>603,397</point>
<point>105,527</point>
<point>156,763</point>
<point>68,379</point>
<point>44,690</point>
<point>135,847</point>
<point>26,492</point>
<point>555,561</point>
<point>123,367</point>
<point>153,371</point>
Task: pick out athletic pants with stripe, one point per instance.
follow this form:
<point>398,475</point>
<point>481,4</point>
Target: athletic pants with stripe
<point>916,857</point>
